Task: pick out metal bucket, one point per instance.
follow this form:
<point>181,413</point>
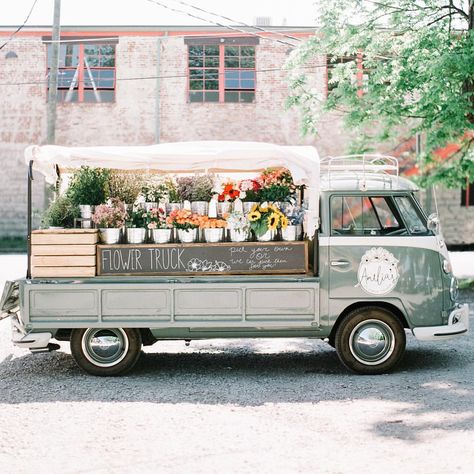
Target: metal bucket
<point>136,235</point>
<point>292,232</point>
<point>109,236</point>
<point>267,236</point>
<point>161,236</point>
<point>213,235</point>
<point>200,207</point>
<point>238,235</point>
<point>187,236</point>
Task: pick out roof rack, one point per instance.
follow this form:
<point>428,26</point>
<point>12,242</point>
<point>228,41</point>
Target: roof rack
<point>359,166</point>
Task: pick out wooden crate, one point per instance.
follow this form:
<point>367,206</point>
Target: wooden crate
<point>63,253</point>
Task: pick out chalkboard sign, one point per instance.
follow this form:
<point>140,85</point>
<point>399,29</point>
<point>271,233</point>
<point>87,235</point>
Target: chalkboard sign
<point>203,259</point>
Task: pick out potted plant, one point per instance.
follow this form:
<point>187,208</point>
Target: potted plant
<point>157,225</point>
<point>295,216</point>
<point>186,223</point>
<point>110,218</point>
<point>125,186</point>
<point>88,188</point>
<point>239,226</point>
<point>213,228</point>
<point>277,185</point>
<point>174,199</point>
<point>227,192</point>
<point>60,213</point>
<point>135,226</point>
<point>249,192</point>
<point>265,219</point>
<point>198,190</point>
<point>153,193</point>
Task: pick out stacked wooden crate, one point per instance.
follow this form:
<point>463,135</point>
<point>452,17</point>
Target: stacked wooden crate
<point>63,253</point>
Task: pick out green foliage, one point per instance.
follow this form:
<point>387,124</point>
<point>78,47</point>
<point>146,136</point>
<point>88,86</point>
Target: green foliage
<point>89,186</point>
<point>275,193</point>
<point>125,186</point>
<point>418,60</point>
<point>137,219</point>
<point>60,213</point>
<point>171,190</point>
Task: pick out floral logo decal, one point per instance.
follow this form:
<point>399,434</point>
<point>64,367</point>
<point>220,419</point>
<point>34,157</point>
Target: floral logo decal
<point>198,265</point>
<point>378,271</point>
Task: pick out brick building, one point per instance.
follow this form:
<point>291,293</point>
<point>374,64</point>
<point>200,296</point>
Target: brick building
<point>143,85</point>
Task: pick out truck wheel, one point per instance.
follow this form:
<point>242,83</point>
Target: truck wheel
<point>106,352</point>
<point>370,340</point>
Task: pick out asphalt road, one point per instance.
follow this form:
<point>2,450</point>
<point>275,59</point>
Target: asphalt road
<point>269,406</point>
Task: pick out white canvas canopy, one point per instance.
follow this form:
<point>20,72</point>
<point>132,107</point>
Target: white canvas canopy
<point>208,156</point>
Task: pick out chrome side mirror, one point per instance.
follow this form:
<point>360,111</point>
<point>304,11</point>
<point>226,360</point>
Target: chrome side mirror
<point>433,223</point>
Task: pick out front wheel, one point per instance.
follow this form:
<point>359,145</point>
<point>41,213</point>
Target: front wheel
<point>370,340</point>
<point>106,352</point>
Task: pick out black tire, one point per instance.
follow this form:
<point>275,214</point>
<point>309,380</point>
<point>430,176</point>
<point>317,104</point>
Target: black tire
<point>106,352</point>
<point>370,340</point>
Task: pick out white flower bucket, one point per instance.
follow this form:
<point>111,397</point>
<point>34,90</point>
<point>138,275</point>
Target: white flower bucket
<point>86,211</point>
<point>291,232</point>
<point>238,235</point>
<point>136,235</point>
<point>109,236</point>
<point>213,235</point>
<point>267,236</point>
<point>173,206</point>
<point>224,208</point>
<point>187,236</point>
<point>200,207</point>
<point>161,236</point>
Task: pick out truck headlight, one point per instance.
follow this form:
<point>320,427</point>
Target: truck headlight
<point>447,267</point>
<point>453,289</point>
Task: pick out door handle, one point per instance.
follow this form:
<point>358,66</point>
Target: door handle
<point>339,263</point>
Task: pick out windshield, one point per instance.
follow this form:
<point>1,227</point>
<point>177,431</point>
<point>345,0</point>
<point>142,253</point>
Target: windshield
<point>410,215</point>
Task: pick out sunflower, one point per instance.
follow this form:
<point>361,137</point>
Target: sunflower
<point>254,216</point>
<point>283,221</point>
<point>254,208</point>
<point>272,221</point>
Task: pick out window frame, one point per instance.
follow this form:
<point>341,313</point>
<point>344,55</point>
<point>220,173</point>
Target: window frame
<point>83,79</point>
<point>467,195</point>
<point>222,69</point>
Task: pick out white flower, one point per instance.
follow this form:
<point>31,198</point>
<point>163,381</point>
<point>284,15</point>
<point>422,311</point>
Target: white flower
<point>194,265</point>
<point>222,267</point>
<point>206,266</point>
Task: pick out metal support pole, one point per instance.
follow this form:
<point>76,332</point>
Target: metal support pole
<point>158,90</point>
<point>29,217</point>
<point>53,75</point>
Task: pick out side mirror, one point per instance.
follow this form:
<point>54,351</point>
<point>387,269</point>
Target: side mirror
<point>433,223</point>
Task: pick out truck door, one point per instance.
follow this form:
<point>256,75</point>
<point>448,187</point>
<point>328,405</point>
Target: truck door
<point>380,248</point>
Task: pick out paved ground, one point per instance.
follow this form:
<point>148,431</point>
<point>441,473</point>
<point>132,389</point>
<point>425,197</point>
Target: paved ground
<point>270,406</point>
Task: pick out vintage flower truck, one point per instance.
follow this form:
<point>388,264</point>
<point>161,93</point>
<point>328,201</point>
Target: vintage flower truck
<point>369,266</point>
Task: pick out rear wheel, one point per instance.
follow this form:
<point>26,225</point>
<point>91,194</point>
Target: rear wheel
<point>370,340</point>
<point>106,352</point>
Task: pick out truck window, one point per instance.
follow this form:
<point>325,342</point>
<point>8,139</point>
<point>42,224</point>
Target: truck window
<point>410,215</point>
<point>361,215</point>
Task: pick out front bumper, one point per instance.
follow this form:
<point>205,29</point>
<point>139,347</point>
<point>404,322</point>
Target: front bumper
<point>458,324</point>
<point>34,341</point>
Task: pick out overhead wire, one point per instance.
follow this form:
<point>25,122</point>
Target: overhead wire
<point>233,28</point>
<point>20,27</point>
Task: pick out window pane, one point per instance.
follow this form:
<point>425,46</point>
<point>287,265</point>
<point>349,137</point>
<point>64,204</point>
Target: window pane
<point>247,74</point>
<point>247,96</point>
<point>196,73</point>
<point>212,85</point>
<point>196,85</point>
<point>247,50</point>
<point>196,96</point>
<point>212,50</point>
<point>231,51</point>
<point>63,94</point>
<point>247,85</point>
<point>410,215</point>
<point>107,49</point>
<point>107,61</point>
<point>231,62</point>
<point>91,49</point>
<point>211,74</point>
<point>231,96</point>
<point>65,77</point>
<point>212,61</point>
<point>196,50</point>
<point>247,62</point>
<point>195,61</point>
<point>384,213</point>
<point>92,61</point>
<point>211,96</point>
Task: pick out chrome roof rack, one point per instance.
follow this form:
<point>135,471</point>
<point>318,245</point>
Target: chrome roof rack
<point>360,167</point>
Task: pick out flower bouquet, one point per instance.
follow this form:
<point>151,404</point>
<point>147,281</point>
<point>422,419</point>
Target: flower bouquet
<point>156,223</point>
<point>295,216</point>
<point>277,185</point>
<point>226,192</point>
<point>136,226</point>
<point>213,228</point>
<point>186,223</point>
<point>239,226</point>
<point>110,218</point>
<point>265,220</point>
<point>249,192</point>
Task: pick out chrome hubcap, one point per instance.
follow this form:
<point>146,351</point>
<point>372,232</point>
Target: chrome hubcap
<point>372,342</point>
<point>105,347</point>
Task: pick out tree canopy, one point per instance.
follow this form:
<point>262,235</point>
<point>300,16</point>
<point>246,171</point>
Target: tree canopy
<point>406,64</point>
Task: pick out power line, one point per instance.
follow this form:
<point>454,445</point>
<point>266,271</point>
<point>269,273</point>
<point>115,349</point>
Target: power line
<point>176,76</point>
<point>192,15</point>
<point>20,27</point>
<point>234,21</point>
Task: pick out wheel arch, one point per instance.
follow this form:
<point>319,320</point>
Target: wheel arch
<point>364,304</point>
